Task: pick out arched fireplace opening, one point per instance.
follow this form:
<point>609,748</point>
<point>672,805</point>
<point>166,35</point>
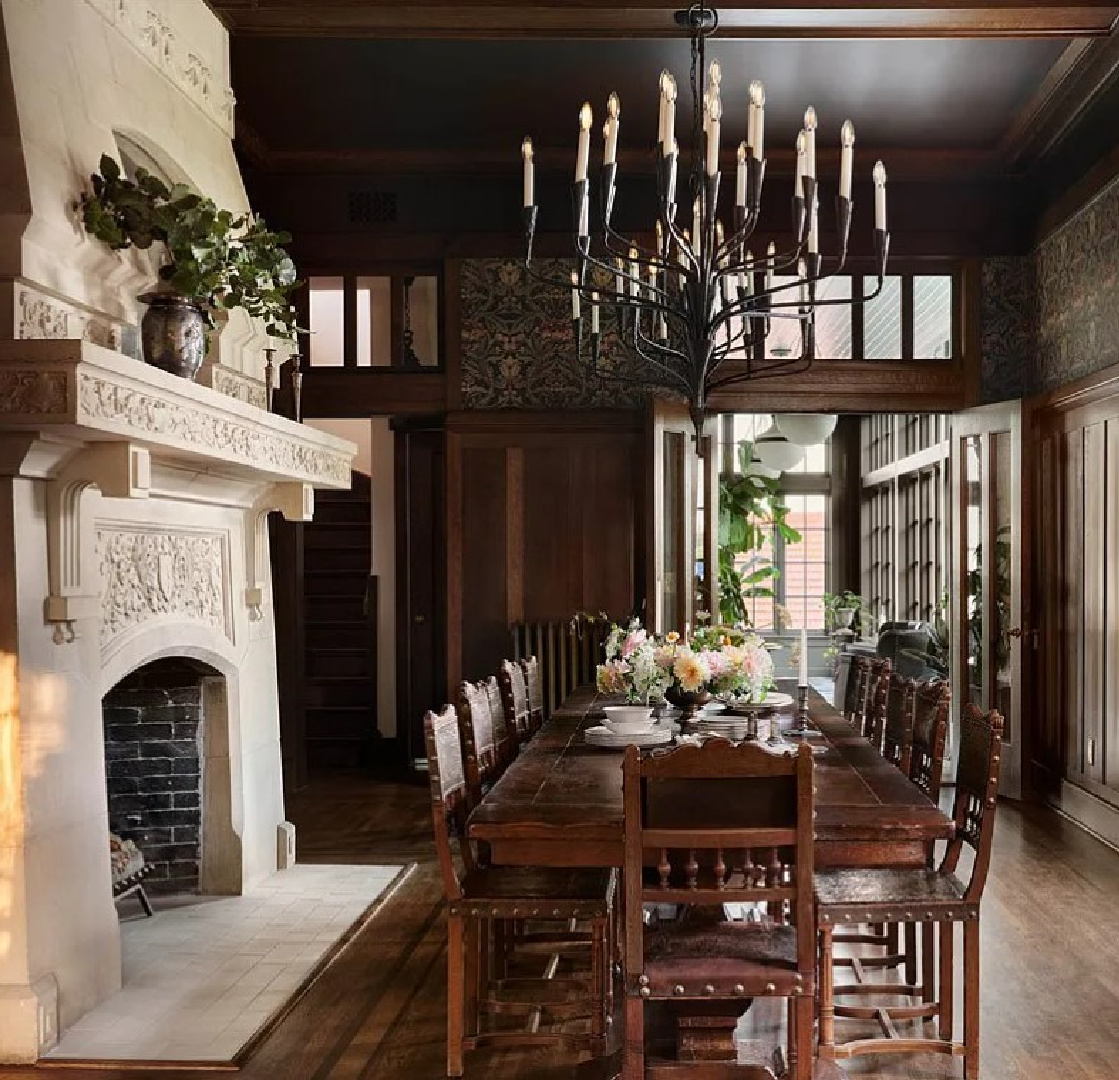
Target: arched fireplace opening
<point>167,775</point>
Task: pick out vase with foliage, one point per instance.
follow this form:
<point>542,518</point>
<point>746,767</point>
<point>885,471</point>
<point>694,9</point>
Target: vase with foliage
<point>751,514</point>
<point>213,260</point>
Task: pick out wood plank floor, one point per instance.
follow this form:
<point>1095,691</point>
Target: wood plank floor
<point>1050,962</point>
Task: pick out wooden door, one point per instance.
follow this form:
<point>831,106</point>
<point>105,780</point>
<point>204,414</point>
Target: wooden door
<point>420,582</point>
<point>683,508</point>
<point>992,638</point>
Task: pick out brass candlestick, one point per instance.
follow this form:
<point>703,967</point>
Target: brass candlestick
<point>801,729</point>
<point>269,377</point>
<point>297,386</point>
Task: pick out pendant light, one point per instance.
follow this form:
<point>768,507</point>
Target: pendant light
<point>776,451</point>
<point>806,429</point>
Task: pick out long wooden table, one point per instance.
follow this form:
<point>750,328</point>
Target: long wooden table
<point>560,802</point>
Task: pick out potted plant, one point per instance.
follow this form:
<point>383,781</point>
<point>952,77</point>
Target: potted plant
<point>213,260</point>
<point>842,609</point>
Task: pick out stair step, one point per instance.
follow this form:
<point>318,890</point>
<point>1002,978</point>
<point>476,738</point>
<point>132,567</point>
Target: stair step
<point>340,664</point>
<point>334,608</point>
<point>337,536</point>
<point>326,636</point>
<point>338,558</point>
<point>331,512</point>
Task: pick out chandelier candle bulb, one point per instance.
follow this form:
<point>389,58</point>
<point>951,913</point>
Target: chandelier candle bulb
<point>846,158</point>
<point>879,175</point>
<point>669,140</point>
<point>583,153</point>
<point>634,275</point>
<point>594,313</point>
<point>613,111</point>
<point>662,133</point>
<point>810,142</point>
<point>574,297</point>
<point>802,162</point>
<point>714,115</point>
<point>740,177</point>
<point>757,114</point>
<point>526,153</point>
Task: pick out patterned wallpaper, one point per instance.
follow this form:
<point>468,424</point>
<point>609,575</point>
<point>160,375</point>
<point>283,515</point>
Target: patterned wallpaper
<point>1005,329</point>
<point>1076,271</point>
<point>518,349</point>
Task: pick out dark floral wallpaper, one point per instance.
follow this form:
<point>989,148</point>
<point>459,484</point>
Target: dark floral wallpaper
<point>1076,271</point>
<point>518,348</point>
<point>1005,330</point>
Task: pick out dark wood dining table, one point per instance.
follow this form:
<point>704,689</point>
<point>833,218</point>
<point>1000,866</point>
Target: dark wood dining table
<point>560,802</point>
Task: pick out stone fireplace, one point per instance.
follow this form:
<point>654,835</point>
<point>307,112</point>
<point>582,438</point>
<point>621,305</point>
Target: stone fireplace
<point>133,504</point>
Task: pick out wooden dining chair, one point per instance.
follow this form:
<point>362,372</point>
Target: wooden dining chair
<point>481,899</point>
<point>726,824</point>
<point>854,698</point>
<point>921,896</point>
<point>875,697</point>
<point>534,680</point>
<point>487,742</point>
<point>931,703</point>
<point>897,730</point>
<point>514,701</point>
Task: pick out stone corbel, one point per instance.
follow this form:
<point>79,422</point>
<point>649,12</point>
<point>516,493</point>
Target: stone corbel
<point>120,470</point>
<point>297,503</point>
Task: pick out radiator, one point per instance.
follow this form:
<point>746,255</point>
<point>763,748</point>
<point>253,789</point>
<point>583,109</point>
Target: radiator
<point>568,651</point>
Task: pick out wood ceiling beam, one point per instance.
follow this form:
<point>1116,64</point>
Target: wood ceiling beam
<point>654,18</point>
<point>903,164</point>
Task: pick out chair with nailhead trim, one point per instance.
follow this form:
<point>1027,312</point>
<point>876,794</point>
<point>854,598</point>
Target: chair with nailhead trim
<point>728,824</point>
<point>921,896</point>
<point>483,898</point>
<point>514,700</point>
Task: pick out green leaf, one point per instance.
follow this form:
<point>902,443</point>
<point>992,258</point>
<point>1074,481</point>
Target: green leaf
<point>109,168</point>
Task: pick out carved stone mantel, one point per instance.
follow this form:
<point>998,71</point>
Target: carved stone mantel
<point>81,390</point>
<point>117,418</point>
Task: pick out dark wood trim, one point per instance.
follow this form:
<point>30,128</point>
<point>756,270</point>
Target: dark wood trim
<point>653,18</point>
<point>1078,195</point>
<point>1088,390</point>
<point>452,331</point>
<point>330,392</point>
<point>528,421</point>
<point>396,321</point>
<point>454,539</point>
<point>349,321</point>
<point>968,334</point>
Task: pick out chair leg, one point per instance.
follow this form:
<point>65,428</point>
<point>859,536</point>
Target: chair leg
<point>803,1008</point>
<point>971,999</point>
<point>145,903</point>
<point>827,996</point>
<point>910,952</point>
<point>792,1043</point>
<point>600,967</point>
<point>944,1023</point>
<point>633,1063</point>
<point>455,996</point>
<point>472,991</point>
<point>928,960</point>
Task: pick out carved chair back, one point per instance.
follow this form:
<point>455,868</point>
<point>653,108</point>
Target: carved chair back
<point>514,701</point>
<point>854,696</point>
<point>534,680</point>
<point>897,736</point>
<point>874,706</point>
<point>725,824</point>
<point>485,738</point>
<point>977,787</point>
<point>450,796</point>
<point>931,702</point>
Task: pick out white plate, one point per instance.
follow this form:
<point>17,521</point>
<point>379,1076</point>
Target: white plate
<point>604,737</point>
<point>713,707</point>
<point>772,701</point>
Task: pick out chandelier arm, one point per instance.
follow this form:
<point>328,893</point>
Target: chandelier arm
<point>640,340</point>
<point>663,306</point>
<point>643,258</point>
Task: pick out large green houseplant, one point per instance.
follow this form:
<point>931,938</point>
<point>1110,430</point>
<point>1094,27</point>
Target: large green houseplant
<point>213,260</point>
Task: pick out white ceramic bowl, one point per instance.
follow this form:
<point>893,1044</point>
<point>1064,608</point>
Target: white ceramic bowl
<point>628,719</point>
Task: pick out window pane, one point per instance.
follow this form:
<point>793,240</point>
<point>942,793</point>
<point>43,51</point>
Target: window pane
<point>833,324</point>
<point>882,320</point>
<point>374,324</point>
<point>326,321</point>
<point>783,340</point>
<point>932,318</point>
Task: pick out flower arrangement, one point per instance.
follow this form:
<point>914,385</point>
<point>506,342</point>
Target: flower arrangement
<point>715,660</point>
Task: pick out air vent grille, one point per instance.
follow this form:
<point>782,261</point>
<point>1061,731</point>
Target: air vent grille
<point>372,207</point>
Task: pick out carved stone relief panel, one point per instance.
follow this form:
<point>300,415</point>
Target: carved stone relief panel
<point>146,573</point>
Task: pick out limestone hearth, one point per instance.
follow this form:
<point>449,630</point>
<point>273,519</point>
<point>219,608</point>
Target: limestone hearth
<point>133,508</point>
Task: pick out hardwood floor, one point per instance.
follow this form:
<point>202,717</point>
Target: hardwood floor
<point>1050,961</point>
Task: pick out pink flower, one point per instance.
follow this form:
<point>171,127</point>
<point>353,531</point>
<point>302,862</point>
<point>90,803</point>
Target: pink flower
<point>634,640</point>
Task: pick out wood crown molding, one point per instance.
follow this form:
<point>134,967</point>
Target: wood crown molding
<point>654,19</point>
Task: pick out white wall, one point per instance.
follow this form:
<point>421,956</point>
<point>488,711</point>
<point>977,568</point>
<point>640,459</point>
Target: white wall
<point>375,457</point>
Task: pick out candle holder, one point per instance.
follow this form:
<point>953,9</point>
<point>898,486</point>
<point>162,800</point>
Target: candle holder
<point>269,377</point>
<point>801,729</point>
<point>297,388</point>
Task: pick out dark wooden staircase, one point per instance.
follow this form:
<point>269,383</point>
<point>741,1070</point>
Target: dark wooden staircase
<point>340,661</point>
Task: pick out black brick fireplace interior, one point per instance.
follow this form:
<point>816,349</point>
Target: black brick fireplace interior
<point>153,757</point>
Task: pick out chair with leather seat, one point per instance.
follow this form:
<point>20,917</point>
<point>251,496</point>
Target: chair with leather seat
<point>876,696</point>
<point>921,896</point>
<point>897,729</point>
<point>481,898</point>
<point>725,824</point>
<point>514,701</point>
<point>534,680</point>
<point>488,742</point>
<point>931,702</point>
<point>854,698</point>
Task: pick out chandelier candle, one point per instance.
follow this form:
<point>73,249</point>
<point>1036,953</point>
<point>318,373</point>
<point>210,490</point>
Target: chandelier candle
<point>696,309</point>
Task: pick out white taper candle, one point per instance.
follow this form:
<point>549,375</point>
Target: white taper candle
<point>583,153</point>
<point>880,196</point>
<point>529,185</point>
<point>846,158</point>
